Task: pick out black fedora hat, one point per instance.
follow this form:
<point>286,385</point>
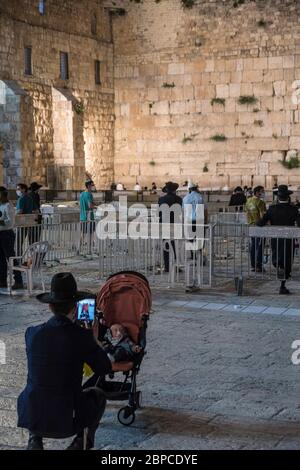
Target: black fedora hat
<point>35,186</point>
<point>63,289</point>
<point>283,191</point>
<point>170,187</point>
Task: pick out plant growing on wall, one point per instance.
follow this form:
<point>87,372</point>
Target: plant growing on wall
<point>218,137</point>
<point>259,123</point>
<point>218,101</point>
<point>152,163</point>
<point>188,138</point>
<point>168,85</point>
<point>291,163</point>
<point>78,107</point>
<point>188,3</point>
<point>247,99</point>
<point>205,168</point>
<point>237,3</point>
<point>262,23</point>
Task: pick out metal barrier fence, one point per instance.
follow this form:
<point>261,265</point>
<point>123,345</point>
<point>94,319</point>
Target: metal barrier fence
<point>66,239</point>
<point>163,260</point>
<point>166,259</point>
<point>228,218</point>
<point>248,252</point>
<point>229,251</point>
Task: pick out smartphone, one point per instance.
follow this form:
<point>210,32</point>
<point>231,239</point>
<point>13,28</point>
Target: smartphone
<point>86,310</point>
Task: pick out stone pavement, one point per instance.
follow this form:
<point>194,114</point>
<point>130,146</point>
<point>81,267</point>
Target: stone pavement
<point>217,375</point>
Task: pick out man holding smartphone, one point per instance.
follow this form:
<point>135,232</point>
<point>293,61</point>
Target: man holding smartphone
<point>54,404</point>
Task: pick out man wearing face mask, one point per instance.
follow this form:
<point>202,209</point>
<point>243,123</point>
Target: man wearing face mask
<point>54,404</point>
<point>25,203</point>
<point>255,209</point>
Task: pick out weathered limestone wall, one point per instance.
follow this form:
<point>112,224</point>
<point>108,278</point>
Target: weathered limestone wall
<point>10,129</point>
<point>66,27</point>
<point>170,63</point>
<point>99,137</point>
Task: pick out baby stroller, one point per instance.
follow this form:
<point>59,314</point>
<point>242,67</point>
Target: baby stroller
<point>126,299</point>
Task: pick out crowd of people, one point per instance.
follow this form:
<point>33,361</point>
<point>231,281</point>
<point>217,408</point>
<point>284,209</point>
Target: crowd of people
<point>282,212</point>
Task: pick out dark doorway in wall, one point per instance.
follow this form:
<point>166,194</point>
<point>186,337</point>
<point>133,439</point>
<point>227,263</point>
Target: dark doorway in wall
<point>16,133</point>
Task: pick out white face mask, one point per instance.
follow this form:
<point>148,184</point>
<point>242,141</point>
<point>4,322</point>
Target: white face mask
<point>19,193</point>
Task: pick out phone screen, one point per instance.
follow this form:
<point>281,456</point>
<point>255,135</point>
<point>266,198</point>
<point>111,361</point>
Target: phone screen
<point>86,310</point>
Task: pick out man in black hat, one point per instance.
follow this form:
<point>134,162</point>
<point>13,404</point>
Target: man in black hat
<point>53,403</point>
<point>238,199</point>
<point>283,214</point>
<point>167,216</point>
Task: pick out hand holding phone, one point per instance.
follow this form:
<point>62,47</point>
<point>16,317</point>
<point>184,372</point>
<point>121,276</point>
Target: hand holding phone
<point>86,310</point>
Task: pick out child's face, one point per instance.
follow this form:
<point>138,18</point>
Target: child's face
<point>117,331</point>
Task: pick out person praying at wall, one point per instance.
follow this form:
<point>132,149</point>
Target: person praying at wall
<point>282,214</point>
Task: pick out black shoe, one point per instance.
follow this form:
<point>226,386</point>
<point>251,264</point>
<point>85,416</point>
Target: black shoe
<point>35,443</point>
<point>77,444</point>
<point>17,286</point>
<point>284,291</point>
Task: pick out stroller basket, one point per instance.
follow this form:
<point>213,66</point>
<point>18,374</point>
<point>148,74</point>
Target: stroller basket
<point>116,391</point>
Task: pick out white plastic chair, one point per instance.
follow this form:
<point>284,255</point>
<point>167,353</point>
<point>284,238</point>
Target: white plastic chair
<point>31,261</point>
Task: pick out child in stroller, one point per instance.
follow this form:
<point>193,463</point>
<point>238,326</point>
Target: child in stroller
<point>124,300</point>
<point>118,345</point>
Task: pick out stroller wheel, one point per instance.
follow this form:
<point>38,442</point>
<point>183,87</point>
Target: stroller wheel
<point>126,416</point>
<point>138,399</point>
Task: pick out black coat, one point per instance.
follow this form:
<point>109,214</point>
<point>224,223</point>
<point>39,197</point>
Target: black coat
<point>169,199</point>
<point>52,402</point>
<point>287,215</point>
<point>283,214</point>
<point>237,199</point>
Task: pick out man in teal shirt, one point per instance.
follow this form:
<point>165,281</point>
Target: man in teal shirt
<point>25,203</point>
<point>87,202</point>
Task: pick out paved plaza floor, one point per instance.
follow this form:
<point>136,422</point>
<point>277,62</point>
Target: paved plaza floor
<point>217,374</point>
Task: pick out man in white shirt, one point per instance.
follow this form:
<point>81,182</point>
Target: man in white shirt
<point>193,216</point>
<point>190,203</point>
<point>137,187</point>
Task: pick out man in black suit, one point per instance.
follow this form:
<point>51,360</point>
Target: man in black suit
<point>282,214</point>
<point>54,404</point>
<point>169,213</point>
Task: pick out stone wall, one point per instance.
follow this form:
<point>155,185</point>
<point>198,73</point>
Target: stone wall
<point>171,64</point>
<point>66,27</point>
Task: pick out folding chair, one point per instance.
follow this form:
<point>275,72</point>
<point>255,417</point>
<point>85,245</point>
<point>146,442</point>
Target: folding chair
<point>31,261</point>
